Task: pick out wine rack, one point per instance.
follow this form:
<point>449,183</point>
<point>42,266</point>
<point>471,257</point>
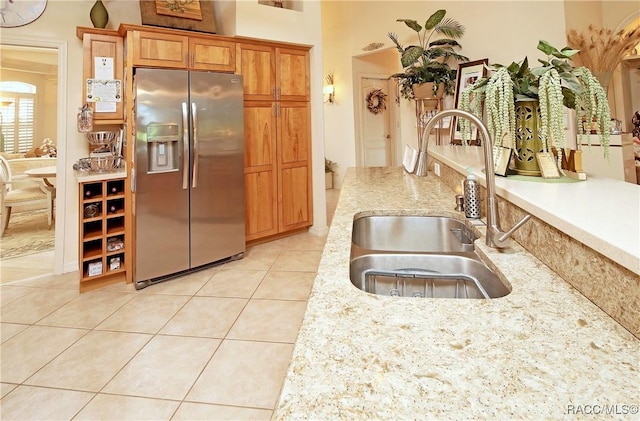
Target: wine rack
<point>102,233</point>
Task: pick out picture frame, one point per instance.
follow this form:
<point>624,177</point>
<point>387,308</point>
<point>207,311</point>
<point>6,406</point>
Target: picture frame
<point>160,13</point>
<point>467,74</point>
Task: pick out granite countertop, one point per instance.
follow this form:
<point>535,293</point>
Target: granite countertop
<point>601,213</point>
<point>543,351</point>
<point>93,176</point>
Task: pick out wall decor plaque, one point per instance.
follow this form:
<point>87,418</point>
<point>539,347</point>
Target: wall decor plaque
<point>192,15</point>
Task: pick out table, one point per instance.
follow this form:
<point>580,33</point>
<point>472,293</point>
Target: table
<point>45,173</point>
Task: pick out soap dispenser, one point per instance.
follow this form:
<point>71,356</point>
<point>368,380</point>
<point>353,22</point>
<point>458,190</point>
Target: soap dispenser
<point>471,197</point>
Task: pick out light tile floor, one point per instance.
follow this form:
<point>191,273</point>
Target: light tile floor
<point>214,344</point>
<point>30,266</point>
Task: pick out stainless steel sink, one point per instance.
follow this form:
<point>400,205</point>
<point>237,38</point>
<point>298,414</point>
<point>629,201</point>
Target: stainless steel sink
<point>409,233</point>
<point>419,256</point>
<point>426,276</point>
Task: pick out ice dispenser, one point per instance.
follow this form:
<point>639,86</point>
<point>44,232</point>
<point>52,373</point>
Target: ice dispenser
<point>162,147</point>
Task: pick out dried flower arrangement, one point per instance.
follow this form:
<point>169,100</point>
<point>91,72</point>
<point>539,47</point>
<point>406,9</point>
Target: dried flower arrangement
<point>601,49</point>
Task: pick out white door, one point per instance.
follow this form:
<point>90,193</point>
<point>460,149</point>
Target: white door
<point>377,144</point>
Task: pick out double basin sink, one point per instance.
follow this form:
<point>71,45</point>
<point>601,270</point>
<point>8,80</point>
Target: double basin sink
<point>419,256</point>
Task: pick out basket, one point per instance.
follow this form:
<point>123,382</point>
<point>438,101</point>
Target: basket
<point>104,163</point>
<point>101,138</point>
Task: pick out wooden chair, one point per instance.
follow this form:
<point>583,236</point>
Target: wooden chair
<point>32,193</point>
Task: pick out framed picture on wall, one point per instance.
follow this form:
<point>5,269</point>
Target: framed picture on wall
<point>192,15</point>
<point>468,73</point>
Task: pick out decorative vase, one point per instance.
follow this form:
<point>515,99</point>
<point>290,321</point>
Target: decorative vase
<point>425,90</point>
<point>99,15</point>
<point>328,180</point>
<point>528,142</point>
<point>605,79</point>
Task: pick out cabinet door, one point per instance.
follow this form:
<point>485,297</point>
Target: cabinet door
<point>160,50</point>
<point>292,74</point>
<point>206,54</point>
<point>256,64</point>
<point>294,166</point>
<point>97,45</point>
<point>261,212</point>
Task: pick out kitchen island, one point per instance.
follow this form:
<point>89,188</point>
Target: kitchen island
<point>543,351</point>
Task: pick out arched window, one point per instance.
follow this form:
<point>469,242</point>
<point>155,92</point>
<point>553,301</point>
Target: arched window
<point>17,113</point>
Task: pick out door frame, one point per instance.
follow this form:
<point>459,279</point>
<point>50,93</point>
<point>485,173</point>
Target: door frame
<point>360,110</point>
<point>61,133</point>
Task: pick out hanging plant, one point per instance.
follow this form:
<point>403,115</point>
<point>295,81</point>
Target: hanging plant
<point>376,101</point>
<point>556,84</point>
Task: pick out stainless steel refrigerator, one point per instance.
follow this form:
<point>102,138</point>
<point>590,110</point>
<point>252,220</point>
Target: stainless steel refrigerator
<point>189,172</point>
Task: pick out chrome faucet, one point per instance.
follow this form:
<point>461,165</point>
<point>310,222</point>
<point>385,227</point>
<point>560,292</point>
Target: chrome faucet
<point>495,236</point>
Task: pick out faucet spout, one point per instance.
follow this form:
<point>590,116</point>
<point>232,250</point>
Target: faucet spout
<point>495,236</point>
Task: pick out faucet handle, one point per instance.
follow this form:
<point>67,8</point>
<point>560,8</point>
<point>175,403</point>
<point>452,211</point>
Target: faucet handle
<point>501,238</point>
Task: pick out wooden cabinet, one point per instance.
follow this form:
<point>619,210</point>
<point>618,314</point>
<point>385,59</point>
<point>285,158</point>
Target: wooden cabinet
<point>214,55</point>
<point>102,251</point>
<point>273,73</point>
<point>260,169</point>
<point>277,138</point>
<point>108,44</point>
<point>277,168</point>
<point>175,50</point>
<point>294,165</point>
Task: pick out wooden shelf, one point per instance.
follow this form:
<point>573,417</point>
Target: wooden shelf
<point>96,231</point>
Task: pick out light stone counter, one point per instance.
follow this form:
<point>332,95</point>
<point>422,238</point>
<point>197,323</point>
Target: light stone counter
<point>92,177</point>
<point>543,351</point>
<point>601,213</point>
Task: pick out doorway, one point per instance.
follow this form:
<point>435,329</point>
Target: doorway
<point>376,143</point>
<point>46,59</point>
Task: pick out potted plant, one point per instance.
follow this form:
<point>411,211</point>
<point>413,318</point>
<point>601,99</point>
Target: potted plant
<point>525,106</point>
<point>427,62</point>
<point>329,169</point>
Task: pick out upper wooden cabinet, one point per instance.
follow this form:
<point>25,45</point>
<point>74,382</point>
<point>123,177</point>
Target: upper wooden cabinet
<point>213,55</point>
<point>102,43</point>
<point>177,50</point>
<point>292,74</point>
<point>273,72</point>
<point>151,49</point>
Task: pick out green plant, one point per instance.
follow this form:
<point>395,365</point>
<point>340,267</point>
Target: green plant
<point>555,84</point>
<point>428,61</point>
<point>329,166</point>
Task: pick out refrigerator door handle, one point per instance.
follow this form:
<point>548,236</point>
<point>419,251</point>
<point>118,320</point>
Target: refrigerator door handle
<point>185,147</point>
<point>194,118</point>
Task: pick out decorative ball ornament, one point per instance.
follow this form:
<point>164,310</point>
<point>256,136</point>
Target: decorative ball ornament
<point>18,13</point>
<point>376,101</point>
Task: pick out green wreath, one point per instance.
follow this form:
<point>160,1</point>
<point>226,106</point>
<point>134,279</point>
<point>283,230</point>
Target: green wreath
<point>376,101</point>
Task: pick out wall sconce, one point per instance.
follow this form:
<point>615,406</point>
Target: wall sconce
<point>329,88</point>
